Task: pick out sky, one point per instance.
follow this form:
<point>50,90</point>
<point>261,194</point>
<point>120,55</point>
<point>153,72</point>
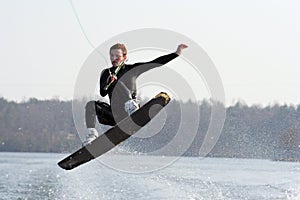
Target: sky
<point>254,45</point>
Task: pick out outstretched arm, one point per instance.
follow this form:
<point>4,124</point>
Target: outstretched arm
<point>162,60</point>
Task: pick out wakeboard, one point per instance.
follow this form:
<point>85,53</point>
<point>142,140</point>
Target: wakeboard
<point>117,134</point>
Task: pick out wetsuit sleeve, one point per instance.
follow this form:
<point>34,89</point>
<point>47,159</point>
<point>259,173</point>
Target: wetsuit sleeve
<point>103,81</point>
<point>145,66</point>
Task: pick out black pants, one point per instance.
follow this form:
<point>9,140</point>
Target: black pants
<point>104,114</point>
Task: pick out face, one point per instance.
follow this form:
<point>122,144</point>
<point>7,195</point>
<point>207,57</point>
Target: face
<point>116,57</point>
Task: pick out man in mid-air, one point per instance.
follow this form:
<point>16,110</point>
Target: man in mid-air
<point>119,83</point>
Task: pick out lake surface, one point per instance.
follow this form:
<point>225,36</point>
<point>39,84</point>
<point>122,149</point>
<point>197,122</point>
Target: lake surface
<point>37,176</point>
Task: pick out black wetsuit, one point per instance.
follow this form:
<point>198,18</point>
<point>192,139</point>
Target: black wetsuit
<point>122,90</point>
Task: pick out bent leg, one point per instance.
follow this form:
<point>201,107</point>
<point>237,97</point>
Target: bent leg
<point>104,113</point>
<point>100,109</point>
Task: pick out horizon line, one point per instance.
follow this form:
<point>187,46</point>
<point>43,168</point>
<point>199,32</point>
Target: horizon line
<point>233,101</point>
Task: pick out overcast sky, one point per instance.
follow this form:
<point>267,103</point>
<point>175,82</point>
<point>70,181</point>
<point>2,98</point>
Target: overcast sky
<point>254,45</point>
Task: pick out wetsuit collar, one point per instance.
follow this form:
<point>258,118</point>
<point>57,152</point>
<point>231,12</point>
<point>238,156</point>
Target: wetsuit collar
<point>115,70</point>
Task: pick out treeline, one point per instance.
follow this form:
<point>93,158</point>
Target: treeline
<point>37,126</point>
<point>271,132</point>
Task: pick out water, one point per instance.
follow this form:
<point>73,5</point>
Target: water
<point>36,176</point>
